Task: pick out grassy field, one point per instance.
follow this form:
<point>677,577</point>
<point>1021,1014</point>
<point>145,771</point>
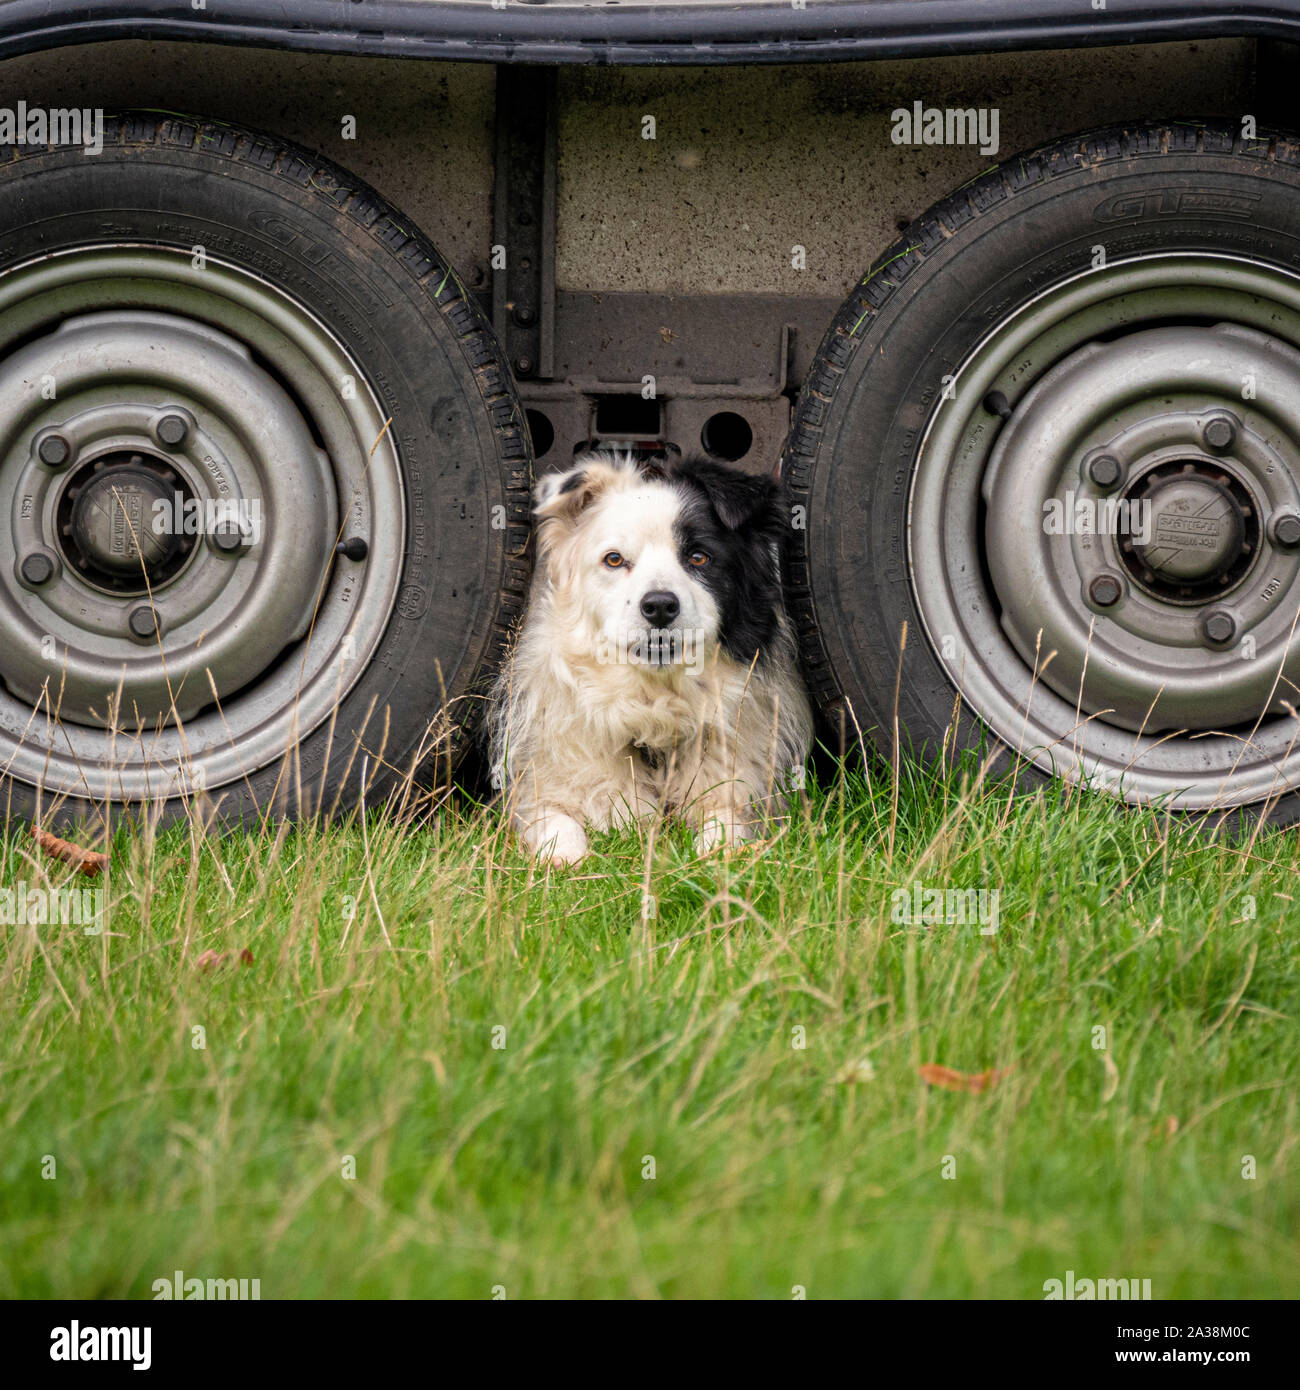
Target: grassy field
<point>445,1073</point>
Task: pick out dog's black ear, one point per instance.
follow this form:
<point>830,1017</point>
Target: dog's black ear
<point>738,498</point>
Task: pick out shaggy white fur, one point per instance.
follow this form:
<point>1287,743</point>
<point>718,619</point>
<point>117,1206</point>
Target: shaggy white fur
<point>586,733</point>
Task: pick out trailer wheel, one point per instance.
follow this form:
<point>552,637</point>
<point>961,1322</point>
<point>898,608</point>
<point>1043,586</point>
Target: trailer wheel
<point>1054,434</point>
<point>263,480</point>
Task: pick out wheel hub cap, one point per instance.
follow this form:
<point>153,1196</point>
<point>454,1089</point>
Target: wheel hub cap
<point>1201,531</point>
<point>108,522</point>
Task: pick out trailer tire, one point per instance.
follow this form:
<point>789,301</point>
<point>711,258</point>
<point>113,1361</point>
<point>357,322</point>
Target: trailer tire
<point>1111,294</point>
<point>228,338</point>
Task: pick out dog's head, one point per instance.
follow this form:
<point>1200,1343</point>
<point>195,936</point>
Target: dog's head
<point>667,562</point>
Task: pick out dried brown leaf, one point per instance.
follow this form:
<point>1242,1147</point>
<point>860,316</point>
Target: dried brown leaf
<point>85,861</point>
<point>949,1080</point>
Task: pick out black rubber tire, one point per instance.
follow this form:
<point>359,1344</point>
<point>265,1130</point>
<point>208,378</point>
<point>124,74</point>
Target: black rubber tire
<point>386,293</point>
<point>925,303</point>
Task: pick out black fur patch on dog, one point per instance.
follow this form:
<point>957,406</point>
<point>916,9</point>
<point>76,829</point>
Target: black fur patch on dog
<point>738,520</point>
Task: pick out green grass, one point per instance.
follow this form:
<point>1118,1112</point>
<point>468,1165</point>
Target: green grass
<point>385,957</point>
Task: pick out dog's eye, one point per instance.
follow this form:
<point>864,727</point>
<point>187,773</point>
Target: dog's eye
<point>612,560</point>
<point>698,558</point>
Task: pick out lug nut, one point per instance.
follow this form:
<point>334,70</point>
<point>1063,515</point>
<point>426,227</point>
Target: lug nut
<point>37,568</point>
<point>1286,530</point>
<point>1105,590</point>
<point>1219,431</point>
<point>1104,470</point>
<point>54,450</point>
<point>227,538</point>
<point>142,623</point>
<point>1218,627</point>
<point>172,430</point>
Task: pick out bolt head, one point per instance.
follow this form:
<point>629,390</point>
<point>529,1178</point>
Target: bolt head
<point>1218,627</point>
<point>1105,590</point>
<point>54,450</point>
<point>141,623</point>
<point>228,538</point>
<point>524,366</point>
<point>1104,470</point>
<point>1286,529</point>
<point>1219,432</point>
<point>37,568</point>
<point>172,430</point>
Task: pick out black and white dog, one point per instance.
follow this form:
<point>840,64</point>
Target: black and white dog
<point>655,670</point>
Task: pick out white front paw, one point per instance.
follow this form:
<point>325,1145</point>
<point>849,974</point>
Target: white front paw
<point>719,831</point>
<point>556,837</point>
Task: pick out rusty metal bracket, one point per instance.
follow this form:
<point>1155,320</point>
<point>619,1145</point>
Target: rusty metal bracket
<point>523,288</point>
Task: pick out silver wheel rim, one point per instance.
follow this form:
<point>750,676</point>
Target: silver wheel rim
<point>1158,655</point>
<point>182,445</point>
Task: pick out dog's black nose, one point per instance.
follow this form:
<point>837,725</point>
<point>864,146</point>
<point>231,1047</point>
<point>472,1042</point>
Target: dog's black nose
<point>659,608</point>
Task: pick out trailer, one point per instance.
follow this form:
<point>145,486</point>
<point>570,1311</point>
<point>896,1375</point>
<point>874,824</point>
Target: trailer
<point>296,299</point>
